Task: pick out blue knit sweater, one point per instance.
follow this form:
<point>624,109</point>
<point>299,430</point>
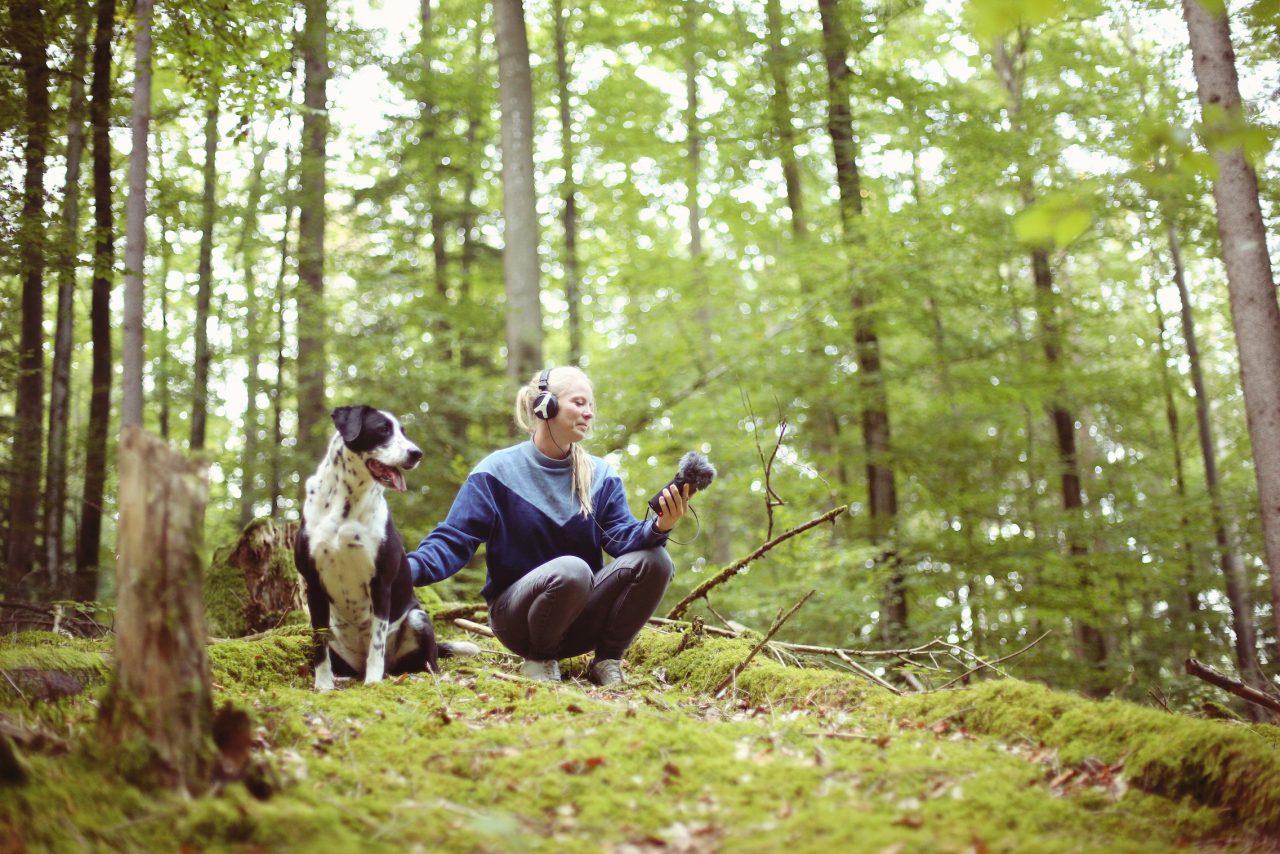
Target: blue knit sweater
<point>520,503</point>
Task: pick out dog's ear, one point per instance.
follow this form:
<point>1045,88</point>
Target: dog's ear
<point>349,420</point>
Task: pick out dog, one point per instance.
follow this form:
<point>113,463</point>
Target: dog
<point>365,618</point>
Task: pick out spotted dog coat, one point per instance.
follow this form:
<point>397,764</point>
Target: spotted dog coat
<point>359,587</point>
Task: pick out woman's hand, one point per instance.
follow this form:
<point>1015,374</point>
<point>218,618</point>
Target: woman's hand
<point>674,505</point>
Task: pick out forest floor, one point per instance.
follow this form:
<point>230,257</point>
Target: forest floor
<point>478,759</point>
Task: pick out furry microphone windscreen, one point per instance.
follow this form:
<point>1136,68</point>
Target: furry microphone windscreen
<point>695,470</point>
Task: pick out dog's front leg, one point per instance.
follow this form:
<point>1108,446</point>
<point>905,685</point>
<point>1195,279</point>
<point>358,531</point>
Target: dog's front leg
<point>318,605</point>
<point>380,598</point>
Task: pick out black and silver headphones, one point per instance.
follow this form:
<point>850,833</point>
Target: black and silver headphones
<point>545,405</point>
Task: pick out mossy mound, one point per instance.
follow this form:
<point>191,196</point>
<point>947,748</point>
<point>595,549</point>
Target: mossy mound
<point>476,759</point>
<point>225,595</point>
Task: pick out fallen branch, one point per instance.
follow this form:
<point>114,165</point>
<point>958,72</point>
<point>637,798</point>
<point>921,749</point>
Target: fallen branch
<point>1226,683</point>
<point>733,569</point>
<point>475,628</point>
<point>983,664</point>
<point>474,610</point>
<point>773,630</point>
<point>867,674</point>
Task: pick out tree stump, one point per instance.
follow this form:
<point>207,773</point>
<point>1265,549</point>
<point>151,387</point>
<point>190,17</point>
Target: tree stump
<point>158,712</point>
<point>265,556</point>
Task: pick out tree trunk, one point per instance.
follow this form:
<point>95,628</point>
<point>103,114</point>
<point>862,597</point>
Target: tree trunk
<point>881,486</point>
<point>519,209</point>
<point>1233,571</point>
<point>430,121</point>
<point>204,275</point>
<point>312,418</point>
<point>31,39</point>
<point>1090,640</point>
<point>1255,314</point>
<point>247,250</point>
<point>568,190</point>
<point>55,501</point>
<point>95,468</point>
<point>135,246</point>
<point>780,102</point>
<point>161,697</point>
<point>277,403</point>
<point>162,277</point>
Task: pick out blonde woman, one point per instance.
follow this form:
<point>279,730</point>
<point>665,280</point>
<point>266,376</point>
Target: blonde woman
<point>545,509</point>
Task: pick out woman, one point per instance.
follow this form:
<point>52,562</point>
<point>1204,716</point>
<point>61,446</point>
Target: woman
<point>544,510</point>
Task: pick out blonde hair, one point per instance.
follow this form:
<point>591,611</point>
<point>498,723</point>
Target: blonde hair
<point>579,462</point>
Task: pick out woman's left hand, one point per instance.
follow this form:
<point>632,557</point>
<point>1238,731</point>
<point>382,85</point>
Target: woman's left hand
<point>674,505</point>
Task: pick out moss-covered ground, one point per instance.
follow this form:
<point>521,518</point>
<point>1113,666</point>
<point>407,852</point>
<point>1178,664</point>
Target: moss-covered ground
<point>476,759</point>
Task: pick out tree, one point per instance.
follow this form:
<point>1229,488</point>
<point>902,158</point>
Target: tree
<point>55,499</point>
<point>519,209</point>
<point>135,251</point>
<point>29,30</point>
<point>95,475</point>
<point>204,276</point>
<point>568,190</point>
<point>1255,313</point>
<point>312,416</point>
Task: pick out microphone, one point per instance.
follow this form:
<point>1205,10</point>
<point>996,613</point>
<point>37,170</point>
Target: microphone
<point>694,470</point>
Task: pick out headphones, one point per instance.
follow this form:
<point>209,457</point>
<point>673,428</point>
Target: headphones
<point>545,405</point>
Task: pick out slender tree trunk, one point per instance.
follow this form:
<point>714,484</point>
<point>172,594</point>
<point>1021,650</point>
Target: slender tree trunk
<point>519,209</point>
<point>31,39</point>
<point>468,218</point>
<point>1233,570</point>
<point>95,469</point>
<point>55,502</point>
<point>881,485</point>
<point>135,245</point>
<point>569,189</point>
<point>430,123</point>
<point>312,417</point>
<point>162,277</point>
<point>1255,313</point>
<point>780,103</point>
<point>1092,643</point>
<point>694,133</point>
<point>247,250</point>
<point>204,276</point>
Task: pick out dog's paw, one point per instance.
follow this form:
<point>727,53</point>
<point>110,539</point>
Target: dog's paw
<point>324,684</point>
<point>372,678</point>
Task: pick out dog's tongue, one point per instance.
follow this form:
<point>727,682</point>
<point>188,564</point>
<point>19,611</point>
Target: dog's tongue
<point>389,476</point>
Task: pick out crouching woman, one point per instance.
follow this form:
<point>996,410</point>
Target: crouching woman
<point>545,509</point>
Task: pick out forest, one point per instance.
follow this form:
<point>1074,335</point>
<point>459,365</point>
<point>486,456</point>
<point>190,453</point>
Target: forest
<point>992,275</point>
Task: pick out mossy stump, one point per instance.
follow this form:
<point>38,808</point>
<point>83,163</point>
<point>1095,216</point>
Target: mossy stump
<point>158,712</point>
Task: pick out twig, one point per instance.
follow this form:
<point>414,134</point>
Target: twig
<point>728,626</point>
<point>473,610</point>
<point>733,569</point>
<point>773,630</point>
<point>867,674</point>
<point>476,628</point>
<point>1226,683</point>
<point>973,670</point>
<point>711,630</point>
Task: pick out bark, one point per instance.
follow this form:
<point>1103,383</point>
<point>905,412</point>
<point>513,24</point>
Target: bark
<point>312,417</point>
<point>780,103</point>
<point>31,40</point>
<point>90,541</point>
<point>277,403</point>
<point>247,250</point>
<point>876,433</point>
<point>135,246</point>
<point>162,277</point>
<point>519,211</point>
<point>435,205</point>
<point>204,276</point>
<point>568,190</point>
<point>55,503</point>
<point>161,697</point>
<point>1233,571</point>
<point>264,555</point>
<point>1089,638</point>
<point>1255,314</point>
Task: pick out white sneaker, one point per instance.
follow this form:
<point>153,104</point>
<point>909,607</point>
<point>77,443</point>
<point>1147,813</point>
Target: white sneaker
<point>542,671</point>
<point>605,672</point>
<point>458,649</point>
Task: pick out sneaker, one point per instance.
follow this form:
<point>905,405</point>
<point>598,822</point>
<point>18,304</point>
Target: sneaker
<point>605,672</point>
<point>458,649</point>
<point>541,671</point>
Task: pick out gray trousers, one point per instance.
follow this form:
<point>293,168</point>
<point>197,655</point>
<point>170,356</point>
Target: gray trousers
<point>562,609</point>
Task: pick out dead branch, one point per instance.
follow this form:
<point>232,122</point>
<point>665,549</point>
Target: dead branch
<point>1226,683</point>
<point>983,664</point>
<point>472,611</point>
<point>476,628</point>
<point>733,569</point>
<point>773,630</point>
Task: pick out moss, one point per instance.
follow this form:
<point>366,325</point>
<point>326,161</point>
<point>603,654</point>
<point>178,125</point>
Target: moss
<point>278,658</point>
<point>225,594</point>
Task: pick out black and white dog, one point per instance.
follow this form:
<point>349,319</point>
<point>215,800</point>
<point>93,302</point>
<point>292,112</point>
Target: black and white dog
<point>359,586</point>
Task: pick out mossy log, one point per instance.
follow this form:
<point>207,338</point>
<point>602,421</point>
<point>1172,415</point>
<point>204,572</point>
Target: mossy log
<point>253,586</point>
<point>158,710</point>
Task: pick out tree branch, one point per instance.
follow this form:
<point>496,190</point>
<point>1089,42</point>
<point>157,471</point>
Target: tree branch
<point>773,630</point>
<point>1226,683</point>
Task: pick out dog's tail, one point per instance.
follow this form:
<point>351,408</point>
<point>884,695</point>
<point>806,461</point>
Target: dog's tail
<point>458,649</point>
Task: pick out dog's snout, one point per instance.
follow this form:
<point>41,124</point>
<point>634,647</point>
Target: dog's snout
<point>415,457</point>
